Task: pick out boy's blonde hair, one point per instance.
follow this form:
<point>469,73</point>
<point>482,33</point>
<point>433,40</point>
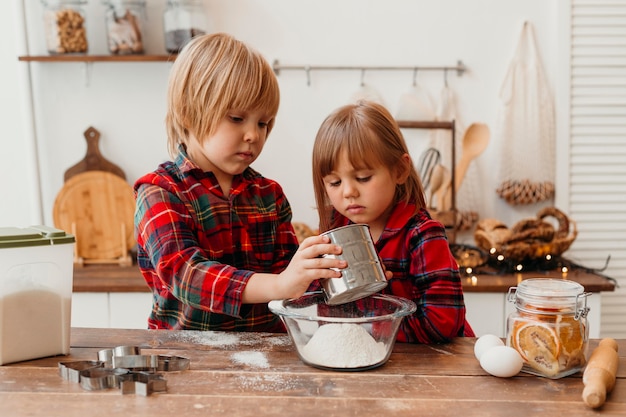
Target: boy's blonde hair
<point>370,137</point>
<point>213,74</point>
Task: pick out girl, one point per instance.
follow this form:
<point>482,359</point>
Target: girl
<point>362,173</point>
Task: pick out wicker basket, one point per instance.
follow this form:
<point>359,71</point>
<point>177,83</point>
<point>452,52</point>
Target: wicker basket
<point>534,249</point>
<point>525,240</point>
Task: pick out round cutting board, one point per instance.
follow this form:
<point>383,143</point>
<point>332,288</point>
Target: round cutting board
<point>101,205</point>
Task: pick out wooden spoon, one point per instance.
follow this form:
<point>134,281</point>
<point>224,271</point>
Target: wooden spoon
<point>475,141</point>
<point>444,190</point>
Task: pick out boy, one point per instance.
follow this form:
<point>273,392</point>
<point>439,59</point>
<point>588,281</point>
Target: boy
<point>215,240</point>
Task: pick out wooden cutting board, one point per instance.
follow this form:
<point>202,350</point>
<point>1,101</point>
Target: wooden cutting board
<point>98,207</point>
<point>93,160</point>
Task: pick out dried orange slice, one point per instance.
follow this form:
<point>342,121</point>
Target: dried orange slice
<point>531,336</point>
<point>539,345</point>
<point>543,361</point>
<point>571,333</point>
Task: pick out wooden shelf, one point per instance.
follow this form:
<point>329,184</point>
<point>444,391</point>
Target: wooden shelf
<point>425,124</point>
<point>98,58</point>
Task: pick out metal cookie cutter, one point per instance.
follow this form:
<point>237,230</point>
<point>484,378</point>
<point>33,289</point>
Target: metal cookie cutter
<point>136,362</point>
<point>151,362</point>
<point>123,367</point>
<point>173,363</point>
<point>106,356</point>
<point>101,378</point>
<point>125,350</point>
<point>71,370</point>
<point>143,383</point>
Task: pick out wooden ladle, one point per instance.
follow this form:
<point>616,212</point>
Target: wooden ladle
<point>475,141</point>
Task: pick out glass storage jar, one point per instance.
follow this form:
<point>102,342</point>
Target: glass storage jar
<point>124,24</point>
<point>182,20</point>
<point>549,326</point>
<point>64,26</point>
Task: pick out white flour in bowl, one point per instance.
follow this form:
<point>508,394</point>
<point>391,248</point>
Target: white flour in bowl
<point>343,345</point>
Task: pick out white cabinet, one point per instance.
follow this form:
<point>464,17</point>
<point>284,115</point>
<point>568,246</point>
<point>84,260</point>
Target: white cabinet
<point>111,310</point>
<point>487,313</point>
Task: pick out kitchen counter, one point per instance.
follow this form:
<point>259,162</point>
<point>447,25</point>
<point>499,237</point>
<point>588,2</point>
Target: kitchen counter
<point>112,278</point>
<point>114,296</point>
<point>442,380</point>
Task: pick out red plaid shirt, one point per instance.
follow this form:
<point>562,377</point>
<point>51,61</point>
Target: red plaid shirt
<point>414,247</point>
<point>197,248</point>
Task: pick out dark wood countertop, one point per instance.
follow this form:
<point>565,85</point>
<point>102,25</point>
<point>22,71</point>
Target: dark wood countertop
<point>429,380</point>
<point>113,278</point>
<point>109,278</point>
<point>502,282</point>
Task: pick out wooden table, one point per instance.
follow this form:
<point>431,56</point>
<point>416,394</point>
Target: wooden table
<point>224,380</point>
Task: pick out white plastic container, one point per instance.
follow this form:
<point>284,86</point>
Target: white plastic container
<point>36,278</point>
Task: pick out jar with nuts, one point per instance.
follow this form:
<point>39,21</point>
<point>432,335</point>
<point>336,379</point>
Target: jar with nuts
<point>124,23</point>
<point>64,26</point>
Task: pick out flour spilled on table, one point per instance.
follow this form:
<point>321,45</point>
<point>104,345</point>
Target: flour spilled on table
<point>268,382</point>
<point>343,345</point>
<point>251,358</point>
<point>208,338</point>
<point>226,339</point>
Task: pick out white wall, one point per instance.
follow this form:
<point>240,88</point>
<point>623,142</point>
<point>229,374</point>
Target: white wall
<point>17,167</point>
<point>125,101</point>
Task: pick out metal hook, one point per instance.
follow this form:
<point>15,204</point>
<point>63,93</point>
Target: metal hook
<point>362,77</point>
<point>88,71</point>
<point>307,69</point>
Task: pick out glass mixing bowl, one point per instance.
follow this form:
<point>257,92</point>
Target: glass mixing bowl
<point>354,336</point>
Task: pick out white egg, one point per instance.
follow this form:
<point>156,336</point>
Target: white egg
<point>502,361</point>
<point>486,342</point>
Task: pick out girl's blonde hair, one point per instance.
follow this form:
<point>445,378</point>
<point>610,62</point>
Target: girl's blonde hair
<point>370,137</point>
<point>211,75</point>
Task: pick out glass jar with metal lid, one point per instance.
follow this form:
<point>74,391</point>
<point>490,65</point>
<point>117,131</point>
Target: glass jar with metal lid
<point>65,26</point>
<point>124,23</point>
<point>549,326</point>
<point>182,20</point>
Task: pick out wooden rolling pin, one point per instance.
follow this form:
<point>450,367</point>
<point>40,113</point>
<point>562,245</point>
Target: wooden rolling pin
<point>600,373</point>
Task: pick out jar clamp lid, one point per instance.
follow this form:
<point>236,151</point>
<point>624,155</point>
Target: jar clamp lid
<point>550,296</point>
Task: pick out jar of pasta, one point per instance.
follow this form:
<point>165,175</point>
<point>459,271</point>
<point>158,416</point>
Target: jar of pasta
<point>124,24</point>
<point>182,20</point>
<point>549,326</point>
<point>64,26</point>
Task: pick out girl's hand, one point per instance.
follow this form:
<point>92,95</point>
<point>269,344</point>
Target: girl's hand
<point>309,264</point>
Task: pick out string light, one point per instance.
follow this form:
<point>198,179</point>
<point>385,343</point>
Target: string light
<point>504,264</point>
